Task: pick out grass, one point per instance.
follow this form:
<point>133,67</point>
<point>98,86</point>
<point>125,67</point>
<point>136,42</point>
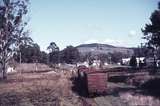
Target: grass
<point>29,88</point>
<point>55,89</point>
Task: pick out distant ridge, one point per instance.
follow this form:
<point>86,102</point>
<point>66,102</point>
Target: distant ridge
<point>95,45</point>
<point>97,48</point>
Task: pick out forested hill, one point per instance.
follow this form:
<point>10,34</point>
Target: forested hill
<point>97,48</point>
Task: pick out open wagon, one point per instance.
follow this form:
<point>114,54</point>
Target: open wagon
<point>97,82</point>
<point>93,81</point>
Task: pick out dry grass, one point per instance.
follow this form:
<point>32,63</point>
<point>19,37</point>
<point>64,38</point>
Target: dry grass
<point>139,100</point>
<point>38,89</point>
<point>32,67</point>
<point>54,89</point>
<point>29,88</point>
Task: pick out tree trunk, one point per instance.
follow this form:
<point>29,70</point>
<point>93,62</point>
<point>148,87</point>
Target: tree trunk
<point>155,60</point>
<point>20,57</point>
<point>155,65</point>
<point>4,71</point>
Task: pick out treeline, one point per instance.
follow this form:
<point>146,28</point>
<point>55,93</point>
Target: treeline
<point>31,53</point>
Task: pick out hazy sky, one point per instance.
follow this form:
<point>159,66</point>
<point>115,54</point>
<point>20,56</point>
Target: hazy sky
<point>73,22</point>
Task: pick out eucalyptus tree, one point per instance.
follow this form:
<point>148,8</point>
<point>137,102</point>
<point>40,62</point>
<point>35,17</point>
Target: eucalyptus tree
<point>53,53</point>
<point>13,32</point>
<point>151,30</point>
<point>151,33</point>
<point>53,47</point>
<point>70,55</point>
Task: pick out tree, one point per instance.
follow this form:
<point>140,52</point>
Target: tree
<point>31,54</point>
<point>53,53</point>
<point>103,58</point>
<point>141,52</point>
<point>54,57</point>
<point>151,33</point>
<point>53,47</point>
<point>133,62</point>
<point>43,57</point>
<point>12,29</point>
<point>116,57</point>
<point>70,55</point>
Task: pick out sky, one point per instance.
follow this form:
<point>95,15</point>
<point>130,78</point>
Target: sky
<point>74,22</point>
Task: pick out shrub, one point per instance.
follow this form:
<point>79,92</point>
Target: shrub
<point>133,62</point>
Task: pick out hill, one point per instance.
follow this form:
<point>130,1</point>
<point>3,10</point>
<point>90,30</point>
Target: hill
<point>97,48</point>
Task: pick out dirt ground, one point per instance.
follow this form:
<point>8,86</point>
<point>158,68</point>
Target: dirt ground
<point>55,89</point>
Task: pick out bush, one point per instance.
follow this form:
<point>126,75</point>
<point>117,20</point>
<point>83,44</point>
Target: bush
<point>133,62</point>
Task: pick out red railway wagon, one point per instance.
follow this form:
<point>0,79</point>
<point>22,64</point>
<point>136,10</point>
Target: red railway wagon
<point>82,68</point>
<point>97,82</point>
<point>92,80</point>
<point>85,69</point>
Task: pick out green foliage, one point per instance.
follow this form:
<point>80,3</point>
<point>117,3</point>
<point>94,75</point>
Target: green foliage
<point>31,54</point>
<point>12,29</point>
<point>70,55</point>
<point>133,62</point>
<point>53,47</point>
<point>54,57</point>
<point>116,57</point>
<point>103,58</point>
<point>152,30</point>
<point>152,34</point>
<point>44,58</point>
<point>54,54</point>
